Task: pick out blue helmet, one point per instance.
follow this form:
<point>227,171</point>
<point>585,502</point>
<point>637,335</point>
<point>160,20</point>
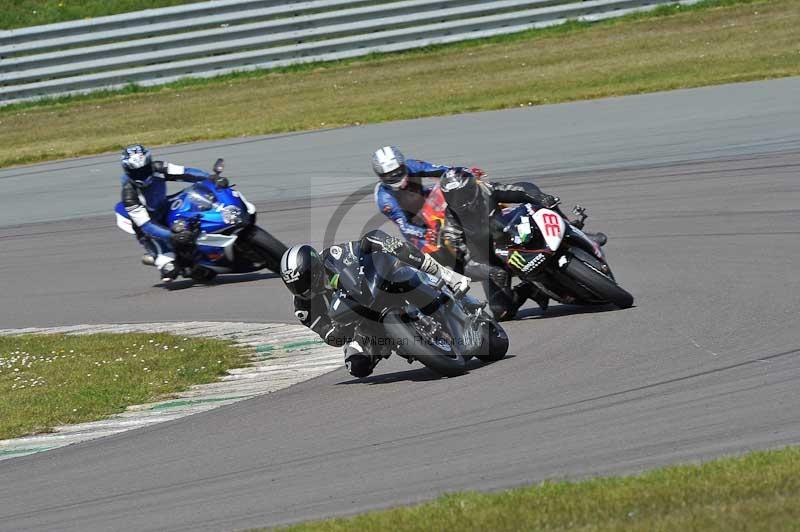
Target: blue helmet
<point>138,164</point>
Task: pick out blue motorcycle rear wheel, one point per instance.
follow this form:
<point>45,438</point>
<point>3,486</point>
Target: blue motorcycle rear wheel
<point>258,246</point>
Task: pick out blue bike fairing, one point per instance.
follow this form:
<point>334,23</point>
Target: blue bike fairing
<point>207,202</point>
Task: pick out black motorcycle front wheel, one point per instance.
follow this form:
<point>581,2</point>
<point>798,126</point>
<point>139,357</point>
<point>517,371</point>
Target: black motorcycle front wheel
<point>599,284</point>
<point>495,342</point>
<point>436,352</point>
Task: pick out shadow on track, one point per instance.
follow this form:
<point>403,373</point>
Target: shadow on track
<point>559,311</point>
<point>415,375</point>
<point>228,278</point>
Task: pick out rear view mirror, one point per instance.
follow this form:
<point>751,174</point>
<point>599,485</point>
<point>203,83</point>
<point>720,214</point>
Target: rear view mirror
<point>219,166</point>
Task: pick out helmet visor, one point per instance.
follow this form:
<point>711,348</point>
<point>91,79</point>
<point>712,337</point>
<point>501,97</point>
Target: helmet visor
<point>396,177</point>
<point>141,176</point>
<point>463,195</point>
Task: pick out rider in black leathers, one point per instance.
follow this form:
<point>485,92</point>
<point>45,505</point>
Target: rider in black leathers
<point>473,226</point>
<point>313,278</point>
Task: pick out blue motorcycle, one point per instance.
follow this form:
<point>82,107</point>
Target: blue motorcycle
<point>222,223</point>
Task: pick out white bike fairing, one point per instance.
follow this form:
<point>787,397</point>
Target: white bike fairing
<point>251,209</point>
<point>224,242</point>
<point>552,227</point>
<point>125,224</point>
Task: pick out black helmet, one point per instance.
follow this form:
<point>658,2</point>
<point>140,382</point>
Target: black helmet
<point>302,271</point>
<point>460,188</point>
<point>138,164</point>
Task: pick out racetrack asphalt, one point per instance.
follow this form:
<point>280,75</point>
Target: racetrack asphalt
<point>698,191</point>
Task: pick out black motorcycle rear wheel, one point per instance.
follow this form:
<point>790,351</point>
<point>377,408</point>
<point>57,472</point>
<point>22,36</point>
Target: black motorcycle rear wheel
<point>600,285</point>
<point>438,354</point>
<point>260,246</point>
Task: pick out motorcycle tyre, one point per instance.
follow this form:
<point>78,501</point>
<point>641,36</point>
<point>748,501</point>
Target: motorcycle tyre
<point>496,341</point>
<point>203,275</point>
<point>272,248</point>
<point>597,283</point>
<point>445,363</point>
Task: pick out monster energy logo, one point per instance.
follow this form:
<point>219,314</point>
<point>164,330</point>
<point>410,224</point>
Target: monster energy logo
<point>517,260</point>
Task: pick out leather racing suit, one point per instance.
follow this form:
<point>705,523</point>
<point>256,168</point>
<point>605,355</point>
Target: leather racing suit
<point>147,207</point>
<point>473,234</point>
<point>314,312</point>
<point>402,205</point>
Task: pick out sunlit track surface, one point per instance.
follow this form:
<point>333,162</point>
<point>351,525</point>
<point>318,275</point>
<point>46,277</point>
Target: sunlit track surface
<point>706,363</point>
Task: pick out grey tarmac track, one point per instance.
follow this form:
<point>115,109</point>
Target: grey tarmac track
<point>699,192</point>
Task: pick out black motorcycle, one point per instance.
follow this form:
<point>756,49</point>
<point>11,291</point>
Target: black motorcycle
<point>545,249</point>
<point>394,308</point>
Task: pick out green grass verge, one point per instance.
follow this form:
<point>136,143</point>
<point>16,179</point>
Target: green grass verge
<point>49,380</point>
<point>721,41</point>
<point>23,13</point>
<point>759,491</point>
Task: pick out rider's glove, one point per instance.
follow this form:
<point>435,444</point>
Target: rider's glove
<point>183,235</point>
<point>477,172</point>
<point>221,182</point>
<point>182,240</point>
<point>549,201</point>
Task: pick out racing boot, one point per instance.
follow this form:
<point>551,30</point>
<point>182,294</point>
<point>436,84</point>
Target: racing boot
<point>357,362</point>
<point>148,259</point>
<point>525,291</point>
<point>169,272</point>
<point>458,283</point>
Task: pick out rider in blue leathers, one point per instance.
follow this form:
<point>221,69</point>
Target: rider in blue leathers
<point>144,201</point>
<point>400,193</point>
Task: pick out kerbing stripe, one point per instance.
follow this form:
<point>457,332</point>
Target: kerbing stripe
<point>282,355</point>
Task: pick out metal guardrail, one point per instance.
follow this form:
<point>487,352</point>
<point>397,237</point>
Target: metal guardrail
<point>208,39</point>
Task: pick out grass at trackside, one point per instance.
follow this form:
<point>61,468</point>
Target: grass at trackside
<point>724,41</point>
<point>759,491</point>
<point>49,380</point>
<point>22,13</point>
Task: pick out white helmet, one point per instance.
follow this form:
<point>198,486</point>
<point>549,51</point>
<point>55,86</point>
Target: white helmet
<point>390,166</point>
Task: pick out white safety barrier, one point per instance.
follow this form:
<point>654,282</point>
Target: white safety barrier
<point>208,39</point>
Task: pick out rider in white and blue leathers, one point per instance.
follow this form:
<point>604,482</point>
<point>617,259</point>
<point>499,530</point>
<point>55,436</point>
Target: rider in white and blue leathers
<point>400,193</point>
<point>144,201</point>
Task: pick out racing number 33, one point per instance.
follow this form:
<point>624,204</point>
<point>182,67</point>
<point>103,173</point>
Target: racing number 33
<point>551,225</point>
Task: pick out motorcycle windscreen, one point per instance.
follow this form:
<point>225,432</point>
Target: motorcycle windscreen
<point>200,201</point>
<point>351,280</point>
<point>517,222</point>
